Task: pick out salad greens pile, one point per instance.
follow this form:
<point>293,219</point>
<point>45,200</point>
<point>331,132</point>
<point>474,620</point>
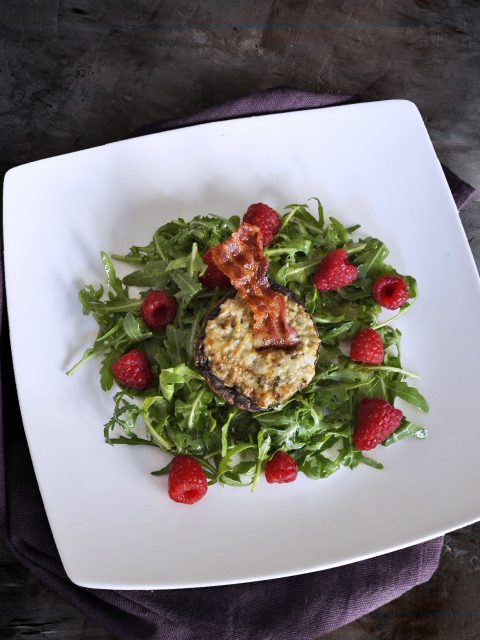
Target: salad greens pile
<point>180,414</point>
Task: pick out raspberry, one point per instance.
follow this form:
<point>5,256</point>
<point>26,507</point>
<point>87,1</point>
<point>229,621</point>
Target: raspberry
<point>158,309</point>
<point>390,292</point>
<point>265,218</point>
<point>213,277</point>
<point>335,271</point>
<point>376,419</point>
<point>367,346</point>
<point>281,468</point>
<point>132,370</point>
<point>187,482</point>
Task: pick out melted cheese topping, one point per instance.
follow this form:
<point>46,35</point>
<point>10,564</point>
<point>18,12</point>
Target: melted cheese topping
<point>270,376</point>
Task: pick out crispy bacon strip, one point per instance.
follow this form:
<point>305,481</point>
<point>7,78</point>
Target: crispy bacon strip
<point>241,258</point>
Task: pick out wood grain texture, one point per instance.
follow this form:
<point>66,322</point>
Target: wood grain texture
<point>79,73</point>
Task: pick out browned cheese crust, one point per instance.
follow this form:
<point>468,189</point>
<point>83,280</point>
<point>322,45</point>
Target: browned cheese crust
<point>250,379</point>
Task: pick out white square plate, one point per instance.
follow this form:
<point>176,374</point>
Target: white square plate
<point>113,522</point>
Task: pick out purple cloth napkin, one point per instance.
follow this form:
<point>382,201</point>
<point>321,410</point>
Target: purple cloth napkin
<point>301,607</point>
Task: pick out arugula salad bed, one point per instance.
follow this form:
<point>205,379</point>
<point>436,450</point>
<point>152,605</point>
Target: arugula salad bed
<point>180,414</point>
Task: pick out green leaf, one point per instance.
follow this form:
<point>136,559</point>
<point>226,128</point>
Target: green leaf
<point>263,446</point>
<point>132,440</point>
<point>371,261</point>
<point>371,462</point>
<point>192,263</point>
<point>230,455</point>
<point>135,328</point>
<point>317,465</point>
<point>106,376</point>
<point>299,218</point>
<point>320,213</point>
<point>112,280</point>
<point>175,377</point>
<point>299,271</point>
<point>412,286</point>
<point>407,393</point>
<point>154,412</point>
<point>188,286</point>
<point>153,274</point>
<point>176,343</point>
<point>89,296</point>
<point>337,233</point>
<point>290,248</point>
<point>162,472</point>
<point>406,429</point>
<point>125,416</point>
<point>87,354</point>
<point>191,411</point>
<point>102,343</point>
<point>232,413</point>
<point>115,306</point>
<point>181,415</point>
<point>211,230</point>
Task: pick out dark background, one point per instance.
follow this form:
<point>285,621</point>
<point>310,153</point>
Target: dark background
<point>74,74</point>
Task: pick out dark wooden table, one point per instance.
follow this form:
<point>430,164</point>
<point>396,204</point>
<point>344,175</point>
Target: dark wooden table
<point>75,74</point>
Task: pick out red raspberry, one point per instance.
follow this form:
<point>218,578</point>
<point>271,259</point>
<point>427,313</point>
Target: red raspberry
<point>281,468</point>
<point>376,420</point>
<point>390,292</point>
<point>335,271</point>
<point>266,219</point>
<point>132,370</point>
<point>187,482</point>
<point>213,277</point>
<point>158,309</point>
<point>367,346</point>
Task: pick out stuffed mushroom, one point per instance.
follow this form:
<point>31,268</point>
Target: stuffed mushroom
<point>254,379</point>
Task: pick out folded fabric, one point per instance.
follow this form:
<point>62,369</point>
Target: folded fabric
<point>304,606</point>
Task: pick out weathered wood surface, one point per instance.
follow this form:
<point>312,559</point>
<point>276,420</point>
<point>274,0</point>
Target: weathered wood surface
<point>78,73</point>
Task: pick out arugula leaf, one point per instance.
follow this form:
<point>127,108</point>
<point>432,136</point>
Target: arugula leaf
<point>406,429</point>
<point>155,414</point>
<point>191,412</point>
<point>125,416</point>
<point>371,261</point>
<point>370,462</point>
<point>320,213</point>
<point>131,440</point>
<point>152,274</point>
<point>163,471</point>
<point>290,248</point>
<point>88,296</point>
<point>191,263</point>
<point>318,466</point>
<point>337,235</point>
<point>229,457</point>
<point>135,328</point>
<point>407,393</point>
<point>112,280</point>
<point>188,286</point>
<point>171,379</point>
<point>175,344</point>
<point>181,415</point>
<point>232,413</point>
